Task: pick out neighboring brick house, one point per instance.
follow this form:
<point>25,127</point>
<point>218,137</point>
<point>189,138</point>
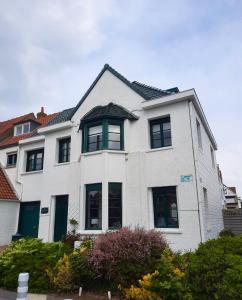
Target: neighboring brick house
<point>127,154</point>
<point>232,200</point>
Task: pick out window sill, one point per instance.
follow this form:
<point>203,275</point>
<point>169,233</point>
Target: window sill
<point>104,151</point>
<point>32,172</point>
<point>169,230</point>
<point>61,164</point>
<point>159,149</point>
<point>10,167</point>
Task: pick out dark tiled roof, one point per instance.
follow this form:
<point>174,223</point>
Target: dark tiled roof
<point>108,111</point>
<point>63,116</point>
<point>151,92</point>
<point>6,191</point>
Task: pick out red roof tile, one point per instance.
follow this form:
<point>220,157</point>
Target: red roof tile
<point>13,140</point>
<point>6,191</point>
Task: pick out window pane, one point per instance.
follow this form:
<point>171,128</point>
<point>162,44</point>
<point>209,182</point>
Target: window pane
<point>12,159</point>
<point>95,129</point>
<point>114,205</point>
<point>157,144</point>
<point>19,130</point>
<point>114,128</point>
<point>26,128</point>
<point>167,126</point>
<point>64,150</point>
<point>155,127</point>
<point>114,136</point>
<point>165,207</point>
<point>167,138</point>
<point>94,206</point>
<point>112,145</point>
<point>35,160</point>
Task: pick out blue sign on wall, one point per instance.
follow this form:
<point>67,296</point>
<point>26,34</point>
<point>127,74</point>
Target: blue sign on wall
<point>186,178</point>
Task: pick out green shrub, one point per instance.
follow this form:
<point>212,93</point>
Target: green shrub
<point>226,232</point>
<point>215,269</point>
<point>167,282</point>
<point>32,256</point>
<point>123,256</point>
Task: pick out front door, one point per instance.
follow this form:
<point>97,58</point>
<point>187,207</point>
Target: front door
<point>61,213</point>
<point>29,218</point>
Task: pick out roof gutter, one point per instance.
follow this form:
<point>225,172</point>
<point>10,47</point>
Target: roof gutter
<point>55,127</point>
<point>183,96</point>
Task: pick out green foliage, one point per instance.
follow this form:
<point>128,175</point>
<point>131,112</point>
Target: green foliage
<point>32,256</point>
<point>226,232</point>
<point>70,238</point>
<point>215,269</point>
<point>167,282</point>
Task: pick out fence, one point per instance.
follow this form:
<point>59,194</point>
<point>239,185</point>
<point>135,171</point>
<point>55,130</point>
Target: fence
<point>233,220</point>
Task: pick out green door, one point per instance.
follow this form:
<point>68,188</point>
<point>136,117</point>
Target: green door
<point>61,213</point>
<point>29,218</point>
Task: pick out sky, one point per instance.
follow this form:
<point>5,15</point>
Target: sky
<point>51,51</point>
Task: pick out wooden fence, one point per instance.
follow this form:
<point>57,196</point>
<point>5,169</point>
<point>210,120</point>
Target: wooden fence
<point>233,220</point>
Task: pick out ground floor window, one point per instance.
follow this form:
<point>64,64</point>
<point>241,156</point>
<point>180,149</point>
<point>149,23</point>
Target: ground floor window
<point>165,207</point>
<point>94,206</point>
<point>114,205</point>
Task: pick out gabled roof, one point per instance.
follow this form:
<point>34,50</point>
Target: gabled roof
<point>108,111</point>
<point>6,190</point>
<point>12,140</point>
<point>146,92</point>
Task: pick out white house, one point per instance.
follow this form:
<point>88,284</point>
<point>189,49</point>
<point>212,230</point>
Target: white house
<point>127,155</point>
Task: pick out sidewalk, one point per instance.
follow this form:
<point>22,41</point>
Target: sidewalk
<point>7,295</point>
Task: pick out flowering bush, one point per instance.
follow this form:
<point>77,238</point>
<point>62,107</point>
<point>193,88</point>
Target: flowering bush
<point>167,282</point>
<point>125,255</point>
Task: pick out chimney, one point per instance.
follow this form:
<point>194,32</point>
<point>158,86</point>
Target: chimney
<point>41,114</point>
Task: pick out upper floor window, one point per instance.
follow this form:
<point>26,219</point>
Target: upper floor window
<point>35,159</point>
<point>64,150</point>
<point>160,132</point>
<point>199,135</point>
<point>11,159</point>
<point>165,207</point>
<point>106,134</point>
<point>24,128</point>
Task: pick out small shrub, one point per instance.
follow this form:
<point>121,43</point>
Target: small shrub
<point>123,256</point>
<point>167,282</point>
<point>226,232</point>
<point>215,269</point>
<point>32,256</point>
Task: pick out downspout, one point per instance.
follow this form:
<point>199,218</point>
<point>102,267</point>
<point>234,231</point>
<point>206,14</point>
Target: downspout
<point>195,170</point>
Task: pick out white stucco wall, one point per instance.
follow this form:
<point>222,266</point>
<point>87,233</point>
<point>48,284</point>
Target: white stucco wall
<point>9,210</point>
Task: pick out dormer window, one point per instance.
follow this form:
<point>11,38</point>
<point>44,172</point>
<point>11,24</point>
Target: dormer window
<point>24,128</point>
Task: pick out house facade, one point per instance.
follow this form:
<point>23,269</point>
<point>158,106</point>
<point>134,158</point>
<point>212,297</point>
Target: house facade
<point>127,155</point>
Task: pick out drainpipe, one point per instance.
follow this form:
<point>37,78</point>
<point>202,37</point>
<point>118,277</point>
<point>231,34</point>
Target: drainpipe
<point>195,170</point>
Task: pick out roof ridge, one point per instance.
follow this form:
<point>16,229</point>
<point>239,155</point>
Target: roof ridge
<point>148,86</point>
<point>23,116</point>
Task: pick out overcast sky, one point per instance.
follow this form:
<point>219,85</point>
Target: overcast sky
<point>51,51</point>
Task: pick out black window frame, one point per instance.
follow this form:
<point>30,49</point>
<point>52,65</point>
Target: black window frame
<point>162,210</point>
<point>94,187</point>
<point>64,150</point>
<point>115,191</point>
<point>29,166</point>
<point>12,159</point>
<point>160,133</point>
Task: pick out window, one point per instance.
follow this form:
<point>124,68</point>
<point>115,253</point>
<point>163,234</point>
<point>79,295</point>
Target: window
<point>35,160</point>
<point>22,129</point>
<point>94,206</point>
<point>199,135</point>
<point>107,134</point>
<point>11,159</point>
<point>114,205</point>
<point>165,207</point>
<point>206,210</point>
<point>160,133</point>
<point>212,156</point>
<point>64,150</point>
<point>95,138</point>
